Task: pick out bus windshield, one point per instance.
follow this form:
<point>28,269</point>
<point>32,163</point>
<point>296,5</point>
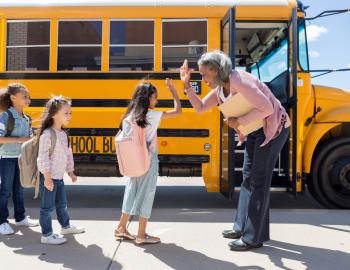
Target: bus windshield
<point>275,63</point>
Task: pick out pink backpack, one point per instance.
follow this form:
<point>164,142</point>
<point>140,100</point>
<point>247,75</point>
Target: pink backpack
<point>131,148</point>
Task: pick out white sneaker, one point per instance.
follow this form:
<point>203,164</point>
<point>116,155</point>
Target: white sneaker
<point>72,230</point>
<point>5,229</point>
<point>53,239</point>
<point>27,222</point>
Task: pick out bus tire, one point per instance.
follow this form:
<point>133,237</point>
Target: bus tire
<point>330,179</point>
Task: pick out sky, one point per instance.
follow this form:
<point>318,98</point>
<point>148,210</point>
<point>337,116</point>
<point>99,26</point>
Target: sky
<point>329,42</point>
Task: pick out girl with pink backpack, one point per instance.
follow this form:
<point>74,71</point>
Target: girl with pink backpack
<point>140,124</point>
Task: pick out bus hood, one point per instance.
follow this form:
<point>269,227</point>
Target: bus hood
<point>334,104</point>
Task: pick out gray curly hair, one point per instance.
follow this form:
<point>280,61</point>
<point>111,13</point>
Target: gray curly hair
<point>219,61</point>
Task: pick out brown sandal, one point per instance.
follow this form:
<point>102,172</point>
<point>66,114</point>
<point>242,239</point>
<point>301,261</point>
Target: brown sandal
<point>123,235</point>
<point>147,240</point>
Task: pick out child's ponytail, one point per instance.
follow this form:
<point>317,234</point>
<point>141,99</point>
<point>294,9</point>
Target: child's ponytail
<point>5,95</point>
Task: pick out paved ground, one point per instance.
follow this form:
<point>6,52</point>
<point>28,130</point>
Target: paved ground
<point>189,222</point>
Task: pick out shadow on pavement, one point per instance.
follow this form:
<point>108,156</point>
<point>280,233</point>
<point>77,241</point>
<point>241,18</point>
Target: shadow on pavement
<point>178,257</point>
<point>310,257</point>
<point>72,254</point>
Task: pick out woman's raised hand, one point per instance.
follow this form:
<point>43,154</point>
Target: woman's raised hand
<point>185,74</point>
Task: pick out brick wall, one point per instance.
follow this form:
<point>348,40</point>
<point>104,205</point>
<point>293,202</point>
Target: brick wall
<point>17,35</point>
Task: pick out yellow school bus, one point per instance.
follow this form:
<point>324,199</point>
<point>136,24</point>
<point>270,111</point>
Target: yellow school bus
<point>96,52</point>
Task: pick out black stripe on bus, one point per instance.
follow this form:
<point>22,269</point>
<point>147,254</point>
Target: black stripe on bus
<point>180,159</point>
<point>163,103</point>
<point>95,76</point>
<point>162,132</point>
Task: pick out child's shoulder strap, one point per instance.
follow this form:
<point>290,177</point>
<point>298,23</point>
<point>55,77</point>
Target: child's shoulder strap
<point>65,131</point>
<point>141,132</point>
<point>53,141</point>
<point>134,127</point>
<point>29,119</point>
<point>10,123</point>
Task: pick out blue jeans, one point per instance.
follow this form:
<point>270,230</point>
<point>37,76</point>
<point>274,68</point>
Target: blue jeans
<point>252,217</point>
<point>10,184</point>
<point>50,199</point>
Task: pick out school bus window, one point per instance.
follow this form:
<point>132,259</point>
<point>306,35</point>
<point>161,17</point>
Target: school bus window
<point>28,45</point>
<point>185,39</point>
<point>303,55</point>
<point>79,45</point>
<point>274,63</point>
<point>131,45</point>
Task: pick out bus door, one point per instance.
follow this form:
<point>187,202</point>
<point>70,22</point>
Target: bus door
<point>227,164</point>
<point>272,57</point>
<point>262,48</point>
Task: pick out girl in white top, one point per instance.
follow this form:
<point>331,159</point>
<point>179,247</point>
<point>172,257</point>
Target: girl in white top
<point>140,191</point>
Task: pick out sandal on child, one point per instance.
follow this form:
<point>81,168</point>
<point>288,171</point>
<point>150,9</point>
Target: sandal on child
<point>123,235</point>
<point>147,240</point>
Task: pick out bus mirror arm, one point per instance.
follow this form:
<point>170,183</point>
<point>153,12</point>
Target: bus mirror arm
<point>327,71</point>
<point>328,13</point>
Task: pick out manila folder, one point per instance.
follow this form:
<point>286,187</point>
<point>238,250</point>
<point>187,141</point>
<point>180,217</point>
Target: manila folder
<point>237,106</point>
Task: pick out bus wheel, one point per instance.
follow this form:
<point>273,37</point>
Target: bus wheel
<point>330,180</point>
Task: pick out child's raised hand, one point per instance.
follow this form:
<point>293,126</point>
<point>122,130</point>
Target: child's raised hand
<point>73,177</point>
<point>170,85</point>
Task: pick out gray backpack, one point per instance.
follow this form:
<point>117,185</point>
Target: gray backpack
<point>29,173</point>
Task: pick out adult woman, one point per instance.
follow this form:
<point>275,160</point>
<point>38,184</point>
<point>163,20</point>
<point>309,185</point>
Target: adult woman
<point>262,147</point>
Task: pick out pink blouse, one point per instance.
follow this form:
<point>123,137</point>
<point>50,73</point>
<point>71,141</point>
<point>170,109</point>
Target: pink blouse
<point>266,105</point>
<point>62,157</point>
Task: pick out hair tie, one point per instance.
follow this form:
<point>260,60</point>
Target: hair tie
<point>58,98</point>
